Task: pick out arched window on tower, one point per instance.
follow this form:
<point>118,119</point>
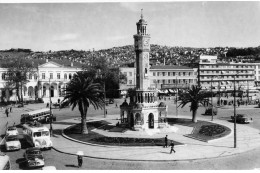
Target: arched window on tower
<point>145,72</point>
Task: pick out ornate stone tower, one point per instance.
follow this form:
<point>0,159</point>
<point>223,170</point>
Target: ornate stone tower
<point>143,111</point>
<point>142,50</point>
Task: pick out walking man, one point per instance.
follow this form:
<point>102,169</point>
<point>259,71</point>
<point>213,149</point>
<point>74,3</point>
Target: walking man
<point>80,160</point>
<point>166,141</point>
<point>172,147</point>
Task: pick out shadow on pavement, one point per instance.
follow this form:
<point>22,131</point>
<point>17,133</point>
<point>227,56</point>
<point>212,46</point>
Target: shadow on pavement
<point>74,166</point>
<point>166,152</point>
<point>64,123</point>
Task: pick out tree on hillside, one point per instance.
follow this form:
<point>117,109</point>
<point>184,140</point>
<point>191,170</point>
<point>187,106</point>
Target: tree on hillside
<point>83,92</point>
<point>110,78</point>
<point>195,96</point>
<point>17,75</point>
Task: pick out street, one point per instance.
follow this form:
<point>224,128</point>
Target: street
<point>248,160</point>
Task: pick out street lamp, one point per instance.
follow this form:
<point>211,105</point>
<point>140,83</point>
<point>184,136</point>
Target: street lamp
<point>211,99</point>
<point>235,133</point>
<point>176,96</point>
<point>51,115</point>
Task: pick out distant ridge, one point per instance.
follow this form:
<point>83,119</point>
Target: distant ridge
<point>125,55</point>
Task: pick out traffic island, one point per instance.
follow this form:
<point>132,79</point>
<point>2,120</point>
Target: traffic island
<point>202,130</point>
<point>74,132</point>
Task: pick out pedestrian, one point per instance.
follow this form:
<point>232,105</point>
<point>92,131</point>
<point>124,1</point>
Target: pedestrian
<point>166,141</point>
<point>80,158</point>
<point>11,109</point>
<point>106,111</point>
<point>116,105</point>
<point>47,105</point>
<point>6,112</point>
<point>172,147</point>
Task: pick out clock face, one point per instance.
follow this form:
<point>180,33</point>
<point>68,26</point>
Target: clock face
<point>146,42</point>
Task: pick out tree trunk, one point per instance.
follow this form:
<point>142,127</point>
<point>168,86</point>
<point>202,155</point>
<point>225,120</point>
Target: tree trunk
<point>84,129</point>
<point>17,93</point>
<point>194,115</point>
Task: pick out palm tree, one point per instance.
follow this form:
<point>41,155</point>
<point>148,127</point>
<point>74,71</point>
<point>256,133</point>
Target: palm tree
<point>83,92</point>
<point>194,96</point>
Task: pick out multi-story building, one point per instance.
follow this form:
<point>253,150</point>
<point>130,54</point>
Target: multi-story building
<point>225,74</point>
<point>172,77</point>
<point>163,77</point>
<point>47,80</point>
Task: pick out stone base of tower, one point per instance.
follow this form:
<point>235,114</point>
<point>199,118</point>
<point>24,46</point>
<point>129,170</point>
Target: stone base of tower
<point>144,116</point>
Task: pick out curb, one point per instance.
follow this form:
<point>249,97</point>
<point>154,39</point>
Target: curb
<point>135,160</point>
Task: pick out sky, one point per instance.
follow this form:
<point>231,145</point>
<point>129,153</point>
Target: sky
<point>103,25</point>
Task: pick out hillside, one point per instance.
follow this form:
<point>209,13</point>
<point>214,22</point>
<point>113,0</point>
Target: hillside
<point>125,55</point>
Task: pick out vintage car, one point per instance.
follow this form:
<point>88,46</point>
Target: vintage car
<point>11,130</point>
<point>241,118</point>
<point>208,111</point>
<point>12,143</point>
<point>34,157</point>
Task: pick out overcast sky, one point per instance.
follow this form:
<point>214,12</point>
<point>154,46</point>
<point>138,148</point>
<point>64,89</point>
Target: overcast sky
<point>84,26</point>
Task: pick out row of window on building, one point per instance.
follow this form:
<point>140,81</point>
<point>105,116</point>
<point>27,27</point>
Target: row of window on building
<point>31,76</point>
<point>229,77</point>
<point>165,73</point>
<point>228,66</point>
<point>225,72</point>
<point>169,81</point>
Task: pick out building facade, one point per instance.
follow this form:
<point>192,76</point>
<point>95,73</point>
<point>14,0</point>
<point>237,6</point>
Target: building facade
<point>225,75</point>
<point>162,77</point>
<point>47,80</point>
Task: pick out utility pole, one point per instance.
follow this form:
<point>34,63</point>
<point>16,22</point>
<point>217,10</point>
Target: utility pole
<point>51,115</point>
<point>211,99</point>
<point>176,96</point>
<point>235,118</point>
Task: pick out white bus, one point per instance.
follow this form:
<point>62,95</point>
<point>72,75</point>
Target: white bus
<point>5,163</point>
<point>41,115</point>
<point>37,135</point>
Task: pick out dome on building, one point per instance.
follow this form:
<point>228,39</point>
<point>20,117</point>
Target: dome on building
<point>162,104</point>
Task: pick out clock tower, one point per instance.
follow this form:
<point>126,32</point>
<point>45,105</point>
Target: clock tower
<point>143,112</point>
<point>142,49</point>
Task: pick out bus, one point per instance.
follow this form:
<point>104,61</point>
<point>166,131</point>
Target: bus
<point>37,135</point>
<point>5,163</point>
<point>41,115</point>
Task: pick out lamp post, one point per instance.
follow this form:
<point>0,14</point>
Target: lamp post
<point>235,133</point>
<point>247,92</point>
<point>176,96</point>
<point>211,99</point>
<point>51,115</point>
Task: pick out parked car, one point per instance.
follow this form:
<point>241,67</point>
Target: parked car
<point>34,157</point>
<point>242,118</point>
<point>12,143</point>
<point>11,130</point>
<point>209,111</point>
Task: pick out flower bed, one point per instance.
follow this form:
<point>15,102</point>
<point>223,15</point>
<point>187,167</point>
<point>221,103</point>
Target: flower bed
<point>97,138</point>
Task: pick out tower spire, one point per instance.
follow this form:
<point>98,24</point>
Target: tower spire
<point>142,14</point>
